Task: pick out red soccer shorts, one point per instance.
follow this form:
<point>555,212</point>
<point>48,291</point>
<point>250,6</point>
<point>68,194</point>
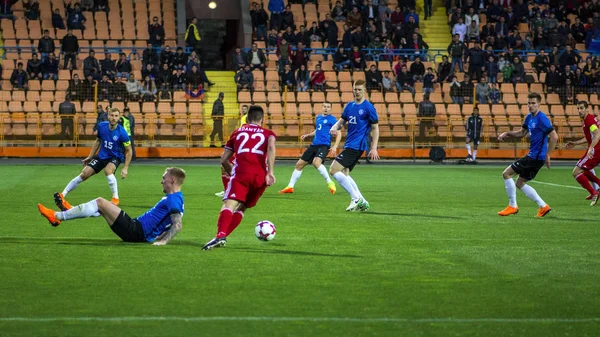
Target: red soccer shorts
<point>587,163</point>
<point>246,188</point>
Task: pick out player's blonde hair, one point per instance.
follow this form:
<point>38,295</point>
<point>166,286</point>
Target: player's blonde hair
<point>359,82</point>
<point>177,173</point>
<point>111,110</point>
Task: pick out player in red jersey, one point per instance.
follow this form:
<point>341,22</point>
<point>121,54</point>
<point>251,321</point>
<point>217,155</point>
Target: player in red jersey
<point>224,176</point>
<point>583,170</point>
<point>254,149</point>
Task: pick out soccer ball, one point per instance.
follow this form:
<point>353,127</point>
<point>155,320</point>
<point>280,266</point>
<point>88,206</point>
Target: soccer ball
<point>265,230</point>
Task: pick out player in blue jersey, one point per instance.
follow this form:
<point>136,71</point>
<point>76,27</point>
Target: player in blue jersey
<point>112,140</point>
<point>316,154</point>
<point>541,146</point>
<point>158,225</point>
<point>362,120</point>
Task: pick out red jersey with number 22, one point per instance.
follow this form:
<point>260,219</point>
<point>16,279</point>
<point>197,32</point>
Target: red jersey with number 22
<point>590,123</point>
<point>250,143</point>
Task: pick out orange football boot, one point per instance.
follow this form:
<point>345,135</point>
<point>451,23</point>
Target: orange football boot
<point>543,211</point>
<point>49,215</point>
<point>287,190</point>
<point>61,202</point>
<point>115,201</point>
<point>508,211</point>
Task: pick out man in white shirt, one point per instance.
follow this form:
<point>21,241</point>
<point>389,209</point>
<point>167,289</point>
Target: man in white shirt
<point>471,16</point>
<point>461,29</point>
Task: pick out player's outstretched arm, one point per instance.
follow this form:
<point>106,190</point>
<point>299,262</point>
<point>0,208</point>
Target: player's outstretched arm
<point>168,235</point>
<point>95,148</point>
<point>225,163</point>
<point>270,178</point>
<point>374,141</point>
<point>516,134</point>
<point>337,126</point>
<point>128,155</point>
<point>312,134</point>
<point>551,145</point>
<point>595,139</point>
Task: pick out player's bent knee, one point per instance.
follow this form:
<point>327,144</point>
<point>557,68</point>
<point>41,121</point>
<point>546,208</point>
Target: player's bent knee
<point>317,162</point>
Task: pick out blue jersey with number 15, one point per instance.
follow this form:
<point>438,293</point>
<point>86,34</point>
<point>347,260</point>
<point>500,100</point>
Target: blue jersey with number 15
<point>323,126</point>
<point>359,118</point>
<point>112,141</point>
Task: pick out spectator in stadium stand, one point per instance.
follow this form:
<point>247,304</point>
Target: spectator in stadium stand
<point>149,57</point>
<point>101,116</point>
<point>492,70</point>
<point>192,61</point>
<point>105,89</point>
<point>6,9</point>
<point>289,36</point>
<point>357,59</point>
<point>518,70</point>
<point>75,18</point>
<point>302,79</point>
<point>179,80</point>
<point>70,48</point>
<point>329,31</point>
<point>569,58</point>
<point>256,58</point>
<point>426,115</point>
<point>164,78</point>
<point>472,16</point>
<point>101,5</point>
<point>397,17</point>
<point>337,12</point>
<point>87,5</point>
<point>245,79</point>
<point>456,49</point>
<point>276,7</point>
<point>156,31</point>
<point>128,123</point>
<point>369,12</point>
<point>541,62</point>
<point>417,69</point>
<point>473,32</point>
<point>411,25</point>
<point>444,70</point>
<point>192,36</point>
<point>553,80</point>
<point>467,89</point>
<point>475,57</point>
<point>303,37</point>
<point>133,88</point>
<point>317,79</point>
<point>373,78</point>
<point>148,90</point>
<point>354,18</point>
<point>460,29</point>
<point>123,66</point>
<point>150,71</point>
<point>46,45</point>
<point>495,94</point>
<point>108,66</point>
<point>238,59</point>
<point>412,14</point>
<point>570,41</point>
<point>180,59</point>
<point>568,73</point>
<point>578,30</point>
<point>91,66</point>
<point>347,37</point>
<point>57,20</point>
<point>404,81</point>
<point>166,57</point>
<point>283,52</point>
<point>314,32</point>
<point>428,81</point>
<point>374,44</point>
<point>66,111</point>
<point>34,68</point>
<point>287,19</point>
<point>259,21</point>
<point>341,59</point>
<point>428,6</point>
<point>88,88</point>
<point>501,28</point>
<point>119,89</point>
<point>494,11</point>
<point>19,77</point>
<point>75,88</point>
<point>217,115</point>
<point>388,82</point>
<point>50,68</point>
<point>554,56</point>
<point>195,78</point>
<point>566,93</point>
<point>482,91</point>
<point>487,31</point>
<point>456,91</point>
<point>359,38</point>
<point>287,77</point>
<point>299,56</point>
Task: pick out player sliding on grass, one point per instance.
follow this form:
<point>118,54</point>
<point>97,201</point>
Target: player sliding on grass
<point>224,176</point>
<point>254,149</point>
<point>158,225</point>
<point>583,170</point>
<point>362,118</point>
<point>112,141</point>
<point>539,128</point>
<point>316,154</point>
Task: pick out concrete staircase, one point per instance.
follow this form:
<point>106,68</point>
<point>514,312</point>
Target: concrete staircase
<point>435,30</point>
<point>225,83</point>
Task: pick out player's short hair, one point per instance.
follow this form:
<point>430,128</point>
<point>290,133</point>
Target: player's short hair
<point>535,95</point>
<point>177,173</point>
<point>327,102</point>
<point>359,82</point>
<point>111,110</point>
<point>584,103</point>
<point>255,113</point>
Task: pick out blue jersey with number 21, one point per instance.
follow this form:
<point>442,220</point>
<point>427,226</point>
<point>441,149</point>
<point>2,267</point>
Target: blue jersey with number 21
<point>323,126</point>
<point>112,141</point>
<point>359,118</point>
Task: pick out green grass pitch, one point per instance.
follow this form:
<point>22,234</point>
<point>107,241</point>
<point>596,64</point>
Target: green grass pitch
<point>432,258</point>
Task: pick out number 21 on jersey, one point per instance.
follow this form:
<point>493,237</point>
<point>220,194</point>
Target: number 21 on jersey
<point>246,137</point>
<point>352,120</point>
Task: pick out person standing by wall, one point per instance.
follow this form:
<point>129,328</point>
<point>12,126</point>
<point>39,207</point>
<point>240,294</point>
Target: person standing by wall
<point>218,112</point>
<point>128,123</point>
<point>66,110</point>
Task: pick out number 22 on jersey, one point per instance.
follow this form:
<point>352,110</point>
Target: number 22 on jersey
<point>245,137</point>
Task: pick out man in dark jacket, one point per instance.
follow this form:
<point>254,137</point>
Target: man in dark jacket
<point>34,68</point>
<point>46,45</point>
<point>245,79</point>
<point>259,21</point>
<point>373,79</point>
<point>426,114</point>
<point>156,31</point>
<point>66,111</point>
<point>238,59</point>
<point>91,66</point>
<point>256,58</point>
<point>474,126</point>
<point>476,57</point>
<point>456,49</point>
<point>50,68</point>
<point>101,116</point>
<point>70,48</point>
<point>6,10</point>
<point>149,56</point>
<point>19,77</point>
<point>218,112</point>
<point>108,66</point>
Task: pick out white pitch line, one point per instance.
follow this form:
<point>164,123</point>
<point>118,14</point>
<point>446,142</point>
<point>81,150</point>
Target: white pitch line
<point>556,185</point>
<point>298,319</point>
